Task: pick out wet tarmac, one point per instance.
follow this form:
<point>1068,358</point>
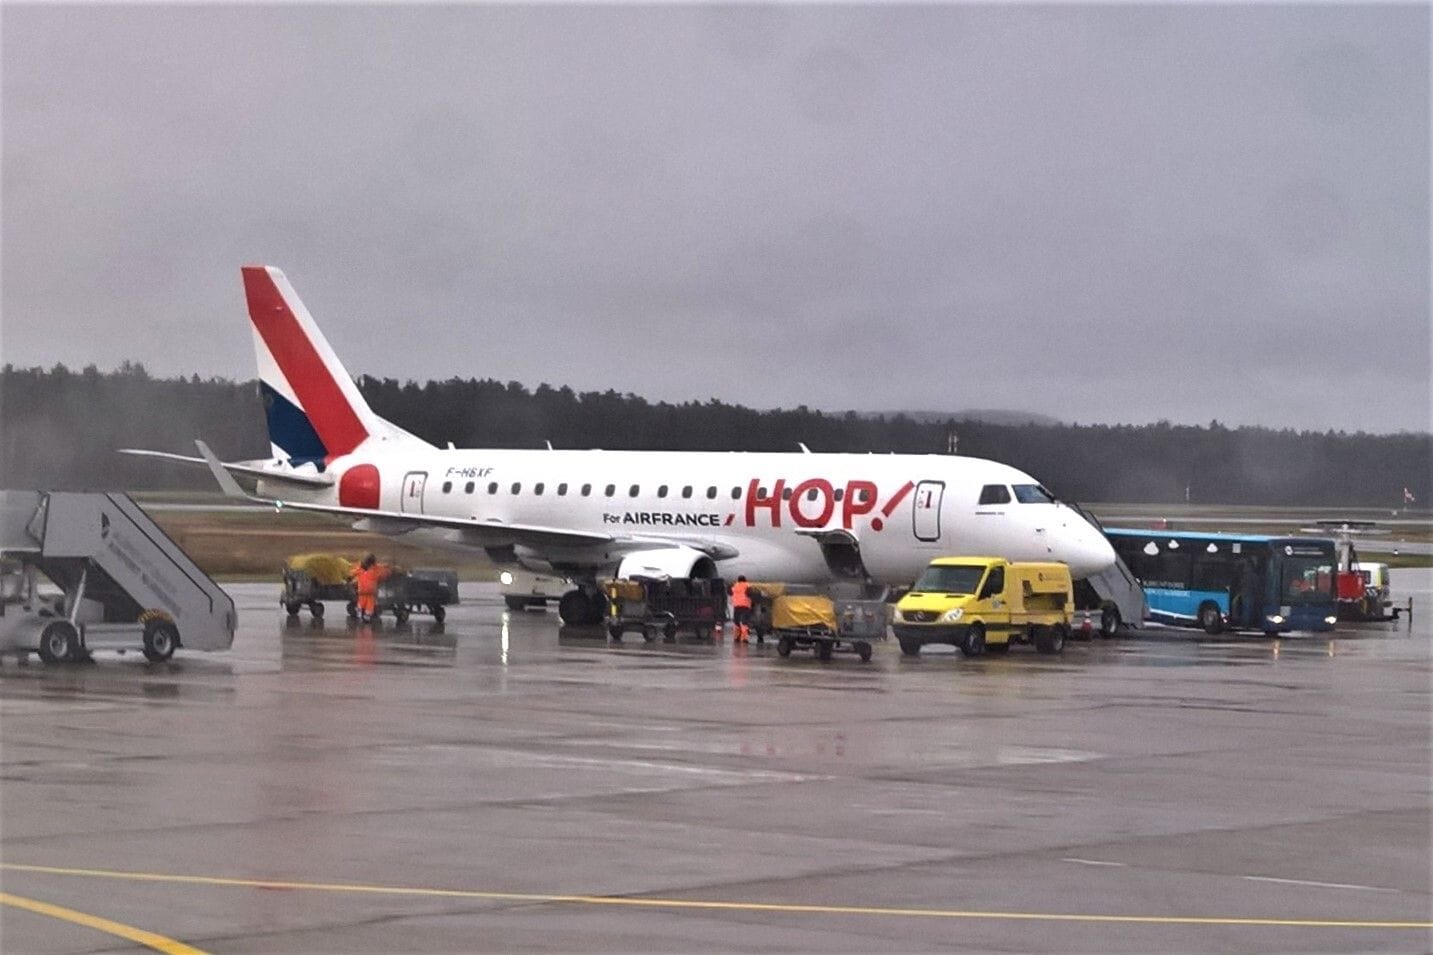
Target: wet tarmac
<point>494,784</point>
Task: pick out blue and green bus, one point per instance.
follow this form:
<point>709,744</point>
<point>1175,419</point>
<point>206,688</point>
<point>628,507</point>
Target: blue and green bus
<point>1233,581</point>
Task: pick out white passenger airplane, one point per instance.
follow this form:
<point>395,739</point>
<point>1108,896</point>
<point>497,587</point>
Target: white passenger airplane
<point>798,517</point>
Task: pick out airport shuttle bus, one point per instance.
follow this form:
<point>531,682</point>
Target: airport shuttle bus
<point>1234,581</point>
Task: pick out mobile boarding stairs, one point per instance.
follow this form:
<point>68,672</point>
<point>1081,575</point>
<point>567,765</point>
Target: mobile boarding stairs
<point>1107,601</point>
<point>122,583</point>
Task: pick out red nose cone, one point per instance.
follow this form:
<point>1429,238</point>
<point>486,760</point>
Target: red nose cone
<point>359,487</point>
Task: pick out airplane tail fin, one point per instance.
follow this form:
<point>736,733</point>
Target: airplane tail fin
<point>314,410</point>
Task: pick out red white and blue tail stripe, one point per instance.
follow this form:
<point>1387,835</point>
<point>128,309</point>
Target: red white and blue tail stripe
<point>314,411</point>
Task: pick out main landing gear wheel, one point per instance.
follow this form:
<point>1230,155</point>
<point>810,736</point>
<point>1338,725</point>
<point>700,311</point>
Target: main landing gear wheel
<point>578,608</point>
<point>161,639</point>
<point>974,643</point>
<point>59,642</point>
<point>1210,619</point>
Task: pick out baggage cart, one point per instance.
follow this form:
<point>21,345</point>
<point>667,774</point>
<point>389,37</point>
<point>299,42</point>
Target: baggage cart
<point>431,590</point>
<point>403,593</point>
<point>310,579</point>
<point>862,619</point>
<point>651,605</point>
<point>810,622</point>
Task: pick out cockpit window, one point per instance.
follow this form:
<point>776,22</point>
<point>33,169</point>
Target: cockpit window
<point>950,580</point>
<point>995,494</point>
<point>1033,494</point>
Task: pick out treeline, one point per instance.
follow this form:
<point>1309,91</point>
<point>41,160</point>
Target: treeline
<point>60,429</point>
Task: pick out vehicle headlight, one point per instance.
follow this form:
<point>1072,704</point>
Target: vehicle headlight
<point>951,616</point>
<point>506,578</point>
<point>1276,618</point>
<point>1330,620</point>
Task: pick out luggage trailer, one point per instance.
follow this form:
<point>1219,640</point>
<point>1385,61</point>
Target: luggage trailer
<point>118,581</point>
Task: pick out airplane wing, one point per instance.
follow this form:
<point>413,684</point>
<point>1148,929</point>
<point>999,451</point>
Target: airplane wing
<point>296,478</point>
<point>478,533</point>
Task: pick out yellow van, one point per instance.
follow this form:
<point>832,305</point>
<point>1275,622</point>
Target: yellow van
<point>986,603</point>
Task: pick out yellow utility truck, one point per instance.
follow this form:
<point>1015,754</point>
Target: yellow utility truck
<point>986,603</point>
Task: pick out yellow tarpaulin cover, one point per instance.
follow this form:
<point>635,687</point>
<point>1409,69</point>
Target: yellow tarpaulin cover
<point>323,568</point>
<point>796,613</point>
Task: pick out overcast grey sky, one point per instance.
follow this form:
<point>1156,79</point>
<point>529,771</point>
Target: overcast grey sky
<point>1115,213</point>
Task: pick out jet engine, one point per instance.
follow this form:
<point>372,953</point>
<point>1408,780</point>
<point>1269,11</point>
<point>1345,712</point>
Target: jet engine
<point>668,562</point>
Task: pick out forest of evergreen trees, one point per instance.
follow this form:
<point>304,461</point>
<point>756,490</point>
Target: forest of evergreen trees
<point>59,429</point>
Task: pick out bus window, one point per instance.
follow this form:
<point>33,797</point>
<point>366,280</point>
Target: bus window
<point>1211,572</point>
<point>1170,569</point>
<point>995,494</point>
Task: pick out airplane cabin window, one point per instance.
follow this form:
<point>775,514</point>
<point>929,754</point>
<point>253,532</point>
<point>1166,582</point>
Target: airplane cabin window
<point>736,494</point>
<point>811,494</point>
<point>711,493</point>
<point>447,486</point>
<point>687,491</point>
<point>786,494</point>
<point>611,489</point>
<point>468,488</point>
<point>537,488</point>
<point>517,487</point>
<point>587,490</point>
<point>634,490</point>
<point>561,490</point>
<point>840,493</point>
<point>995,494</point>
<point>662,491</point>
<point>493,487</point>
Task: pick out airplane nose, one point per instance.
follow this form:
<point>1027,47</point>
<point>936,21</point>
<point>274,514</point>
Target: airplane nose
<point>1090,552</point>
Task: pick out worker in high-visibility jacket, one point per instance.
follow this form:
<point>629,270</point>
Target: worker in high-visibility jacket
<point>366,577</point>
<point>741,610</point>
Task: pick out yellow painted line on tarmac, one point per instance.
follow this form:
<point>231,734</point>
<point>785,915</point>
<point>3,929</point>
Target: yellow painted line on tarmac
<point>148,939</point>
<point>727,906</point>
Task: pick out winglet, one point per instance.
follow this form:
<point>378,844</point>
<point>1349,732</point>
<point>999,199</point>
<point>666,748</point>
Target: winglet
<point>226,480</point>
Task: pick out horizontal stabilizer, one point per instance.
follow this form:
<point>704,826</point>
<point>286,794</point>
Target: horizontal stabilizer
<point>249,470</point>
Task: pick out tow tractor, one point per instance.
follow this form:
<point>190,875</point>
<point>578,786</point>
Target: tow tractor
<point>1364,594</point>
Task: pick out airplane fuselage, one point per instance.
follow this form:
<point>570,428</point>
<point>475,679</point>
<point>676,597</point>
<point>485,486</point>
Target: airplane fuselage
<point>792,517</point>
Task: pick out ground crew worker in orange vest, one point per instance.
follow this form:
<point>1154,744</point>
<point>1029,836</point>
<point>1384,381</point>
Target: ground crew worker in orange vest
<point>741,610</point>
<point>366,577</point>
